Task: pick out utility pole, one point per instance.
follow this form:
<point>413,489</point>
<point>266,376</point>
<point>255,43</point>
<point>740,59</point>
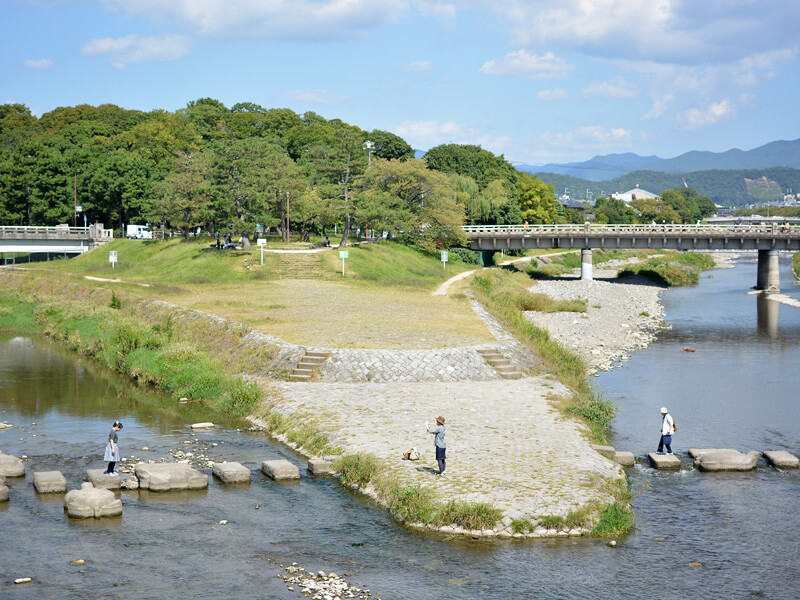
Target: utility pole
<point>286,230</point>
<point>75,220</point>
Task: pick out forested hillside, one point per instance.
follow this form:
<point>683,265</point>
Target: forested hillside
<point>728,188</point>
<point>233,169</point>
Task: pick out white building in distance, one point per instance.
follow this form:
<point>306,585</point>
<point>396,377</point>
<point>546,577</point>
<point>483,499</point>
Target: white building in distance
<point>636,194</point>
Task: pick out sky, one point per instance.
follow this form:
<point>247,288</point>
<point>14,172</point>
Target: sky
<point>538,81</point>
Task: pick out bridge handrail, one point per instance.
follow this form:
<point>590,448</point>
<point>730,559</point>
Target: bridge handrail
<point>674,228</point>
<point>56,232</point>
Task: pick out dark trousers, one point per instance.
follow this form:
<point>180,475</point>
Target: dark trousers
<point>111,466</point>
<point>440,458</point>
<point>666,440</point>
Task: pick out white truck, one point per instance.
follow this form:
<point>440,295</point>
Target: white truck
<point>139,232</point>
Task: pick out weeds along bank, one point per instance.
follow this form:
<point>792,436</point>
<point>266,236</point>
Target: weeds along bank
<point>210,360</point>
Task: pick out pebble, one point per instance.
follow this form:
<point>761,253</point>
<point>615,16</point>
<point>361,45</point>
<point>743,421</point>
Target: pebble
<point>80,561</point>
<point>22,580</point>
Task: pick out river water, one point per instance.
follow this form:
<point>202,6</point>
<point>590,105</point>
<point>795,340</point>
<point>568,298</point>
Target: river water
<point>738,389</point>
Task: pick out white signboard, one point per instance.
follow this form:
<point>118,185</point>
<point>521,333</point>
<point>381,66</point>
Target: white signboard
<point>262,241</point>
<point>112,258</point>
<point>344,254</point>
<point>444,255</point>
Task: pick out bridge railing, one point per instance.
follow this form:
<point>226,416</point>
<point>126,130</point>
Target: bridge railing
<point>578,228</point>
<point>20,232</point>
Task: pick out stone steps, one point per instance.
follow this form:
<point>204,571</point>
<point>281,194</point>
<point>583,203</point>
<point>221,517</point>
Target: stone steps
<point>310,363</point>
<point>503,366</point>
<point>300,266</point>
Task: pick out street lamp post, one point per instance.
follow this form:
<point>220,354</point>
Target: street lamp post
<point>368,146</point>
<point>75,220</point>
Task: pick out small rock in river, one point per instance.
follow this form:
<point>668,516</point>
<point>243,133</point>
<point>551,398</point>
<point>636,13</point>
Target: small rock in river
<point>80,561</point>
<point>22,580</point>
<point>612,544</point>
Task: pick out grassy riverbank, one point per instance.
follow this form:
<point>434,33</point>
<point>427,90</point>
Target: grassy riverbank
<point>675,269</point>
<point>796,265</point>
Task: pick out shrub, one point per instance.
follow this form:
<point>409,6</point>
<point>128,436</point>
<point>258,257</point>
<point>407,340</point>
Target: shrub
<point>469,516</point>
<point>360,469</point>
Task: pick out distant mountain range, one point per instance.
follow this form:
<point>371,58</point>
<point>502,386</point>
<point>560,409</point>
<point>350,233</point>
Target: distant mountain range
<point>611,166</point>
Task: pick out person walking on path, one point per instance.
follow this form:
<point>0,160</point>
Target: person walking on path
<point>112,449</point>
<point>667,429</point>
<point>438,442</point>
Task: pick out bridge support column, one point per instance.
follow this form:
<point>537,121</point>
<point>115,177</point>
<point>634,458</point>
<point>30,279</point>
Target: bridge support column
<point>768,278</point>
<point>586,264</point>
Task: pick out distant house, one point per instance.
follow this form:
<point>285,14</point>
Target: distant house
<point>568,202</point>
<point>636,194</point>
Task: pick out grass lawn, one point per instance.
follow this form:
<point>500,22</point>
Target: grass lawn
<point>383,301</point>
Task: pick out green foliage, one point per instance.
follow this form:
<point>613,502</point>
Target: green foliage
<point>469,516</point>
<point>675,269</point>
<point>615,520</point>
<point>537,200</point>
<point>796,265</point>
<point>611,210</point>
<point>359,469</point>
<point>115,301</point>
<point>411,503</point>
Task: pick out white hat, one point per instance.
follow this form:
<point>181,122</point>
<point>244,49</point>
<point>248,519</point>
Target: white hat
<point>664,410</point>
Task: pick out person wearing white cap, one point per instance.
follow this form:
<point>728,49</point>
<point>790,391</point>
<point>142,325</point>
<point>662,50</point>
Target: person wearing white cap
<point>667,429</point>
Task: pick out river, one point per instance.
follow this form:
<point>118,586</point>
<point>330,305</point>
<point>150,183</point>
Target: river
<point>736,390</point>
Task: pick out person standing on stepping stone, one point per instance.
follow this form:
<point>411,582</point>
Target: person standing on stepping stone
<point>667,429</point>
<point>112,449</point>
<point>438,442</point>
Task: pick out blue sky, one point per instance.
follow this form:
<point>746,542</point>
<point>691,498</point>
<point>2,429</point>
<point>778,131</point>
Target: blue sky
<point>536,80</point>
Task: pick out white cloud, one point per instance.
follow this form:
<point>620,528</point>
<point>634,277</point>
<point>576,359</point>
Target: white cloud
<point>615,89</point>
<point>420,65</point>
<point>314,96</point>
<point>271,19</point>
<point>588,137</point>
<point>700,118</point>
<point>532,66</point>
<point>44,63</point>
<point>678,31</point>
<point>436,8</point>
<point>551,95</point>
<point>426,134</point>
<point>132,48</point>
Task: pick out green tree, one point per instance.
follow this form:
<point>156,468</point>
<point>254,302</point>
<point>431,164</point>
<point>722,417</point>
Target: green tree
<point>611,210</point>
<point>650,210</point>
<point>390,146</point>
<point>182,199</point>
<point>537,200</point>
<point>407,199</point>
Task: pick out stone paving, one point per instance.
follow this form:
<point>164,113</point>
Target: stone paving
<point>506,444</point>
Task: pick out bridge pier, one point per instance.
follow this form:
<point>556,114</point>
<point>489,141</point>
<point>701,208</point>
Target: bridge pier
<point>768,278</point>
<point>586,264</point>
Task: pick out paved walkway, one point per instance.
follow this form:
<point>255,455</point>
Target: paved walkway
<point>507,445</point>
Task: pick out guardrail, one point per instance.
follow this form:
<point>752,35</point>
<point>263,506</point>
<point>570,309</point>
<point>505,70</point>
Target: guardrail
<point>538,229</point>
<point>56,232</point>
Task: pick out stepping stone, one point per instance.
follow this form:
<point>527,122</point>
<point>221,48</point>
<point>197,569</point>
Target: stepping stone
<point>90,502</point>
<point>782,459</point>
<point>725,459</point>
<point>11,466</point>
<point>280,470</point>
<point>166,477</point>
<point>664,462</point>
<point>49,482</point>
<point>607,451</point>
<point>207,425</point>
<point>698,452</point>
<point>231,472</point>
<point>626,459</point>
<point>100,480</point>
<point>3,493</point>
<point>320,466</point>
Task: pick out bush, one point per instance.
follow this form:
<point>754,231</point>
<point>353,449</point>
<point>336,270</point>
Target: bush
<point>465,255</point>
<point>469,516</point>
<point>360,469</point>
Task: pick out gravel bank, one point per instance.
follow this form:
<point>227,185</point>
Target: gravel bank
<point>621,316</point>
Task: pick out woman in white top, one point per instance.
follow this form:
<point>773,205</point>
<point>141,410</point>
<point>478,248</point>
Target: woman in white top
<point>667,429</point>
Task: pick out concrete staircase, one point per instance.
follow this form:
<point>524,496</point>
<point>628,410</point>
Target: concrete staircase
<point>308,365</point>
<point>500,363</point>
<point>301,266</point>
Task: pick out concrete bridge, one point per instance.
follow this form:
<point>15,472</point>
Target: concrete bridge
<point>60,239</point>
<point>768,238</point>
